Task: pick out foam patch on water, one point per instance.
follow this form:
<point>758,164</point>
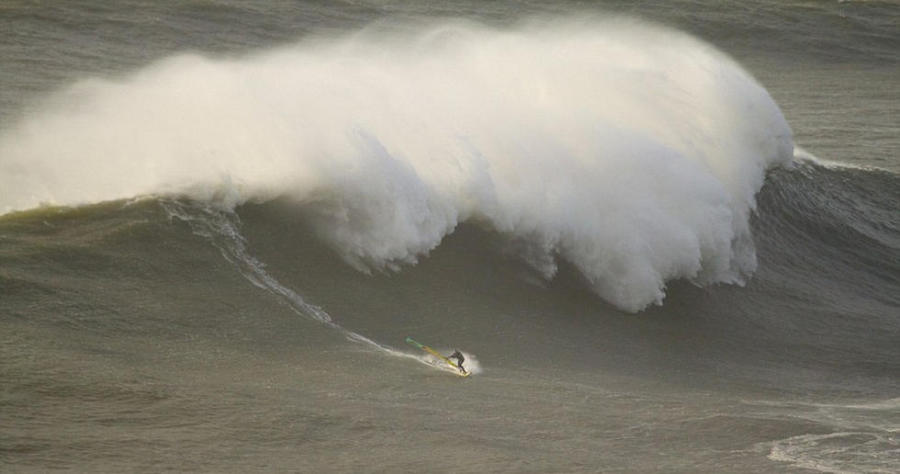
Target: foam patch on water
<point>865,437</point>
<point>841,452</point>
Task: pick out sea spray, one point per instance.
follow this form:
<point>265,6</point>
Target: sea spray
<point>632,151</point>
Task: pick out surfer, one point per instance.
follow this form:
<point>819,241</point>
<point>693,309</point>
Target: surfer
<point>459,360</point>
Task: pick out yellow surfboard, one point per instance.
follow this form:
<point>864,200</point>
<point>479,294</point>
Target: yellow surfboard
<point>437,354</point>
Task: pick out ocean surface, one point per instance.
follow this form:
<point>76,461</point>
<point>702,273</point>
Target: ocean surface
<point>665,235</point>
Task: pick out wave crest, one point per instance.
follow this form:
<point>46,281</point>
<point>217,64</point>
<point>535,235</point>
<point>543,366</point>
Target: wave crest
<point>633,151</point>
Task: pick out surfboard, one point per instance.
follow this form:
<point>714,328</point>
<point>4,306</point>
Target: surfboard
<point>437,354</point>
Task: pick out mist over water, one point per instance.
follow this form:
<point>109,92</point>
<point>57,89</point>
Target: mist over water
<point>630,150</point>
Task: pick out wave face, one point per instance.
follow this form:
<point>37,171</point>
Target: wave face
<point>179,317</point>
<point>631,151</point>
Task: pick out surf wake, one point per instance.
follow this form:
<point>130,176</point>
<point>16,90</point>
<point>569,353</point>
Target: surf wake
<point>222,229</point>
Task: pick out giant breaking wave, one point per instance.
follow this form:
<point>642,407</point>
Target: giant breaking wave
<point>632,151</point>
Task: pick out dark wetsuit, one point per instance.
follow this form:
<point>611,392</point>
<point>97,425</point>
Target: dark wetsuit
<point>459,360</point>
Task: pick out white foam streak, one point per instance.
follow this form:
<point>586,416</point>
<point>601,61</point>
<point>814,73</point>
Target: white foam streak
<point>632,151</point>
<point>222,230</point>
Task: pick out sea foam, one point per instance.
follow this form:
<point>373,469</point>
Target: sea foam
<point>630,150</point>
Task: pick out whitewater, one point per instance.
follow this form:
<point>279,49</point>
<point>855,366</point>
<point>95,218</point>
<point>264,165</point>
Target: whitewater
<point>630,150</point>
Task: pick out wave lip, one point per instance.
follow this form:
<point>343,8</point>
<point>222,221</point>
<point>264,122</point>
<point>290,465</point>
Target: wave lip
<point>632,151</point>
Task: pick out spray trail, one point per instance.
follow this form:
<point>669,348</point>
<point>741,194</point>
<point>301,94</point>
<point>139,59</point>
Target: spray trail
<point>222,229</point>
